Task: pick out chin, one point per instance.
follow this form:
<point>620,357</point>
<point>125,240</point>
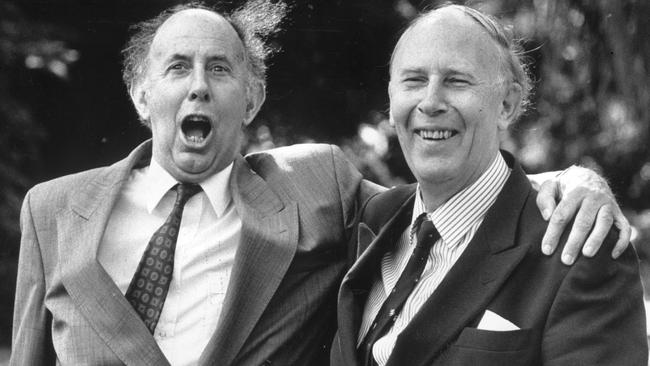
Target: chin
<point>436,172</point>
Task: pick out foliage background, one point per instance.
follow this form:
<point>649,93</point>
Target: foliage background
<point>63,107</point>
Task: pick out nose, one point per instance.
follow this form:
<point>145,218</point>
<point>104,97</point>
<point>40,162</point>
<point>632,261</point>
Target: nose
<point>433,101</point>
<point>199,89</point>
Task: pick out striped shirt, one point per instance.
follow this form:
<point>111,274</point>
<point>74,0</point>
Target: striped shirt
<point>457,221</point>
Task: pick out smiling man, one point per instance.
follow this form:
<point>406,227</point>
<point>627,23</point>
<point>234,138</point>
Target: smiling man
<point>186,252</point>
<point>451,273</point>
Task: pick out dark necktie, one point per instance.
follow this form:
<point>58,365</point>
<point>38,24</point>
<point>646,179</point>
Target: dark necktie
<point>427,235</point>
<point>150,283</point>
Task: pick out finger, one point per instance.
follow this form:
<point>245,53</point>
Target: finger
<point>546,197</point>
<point>624,235</point>
<point>604,221</point>
<point>558,221</point>
<point>582,225</point>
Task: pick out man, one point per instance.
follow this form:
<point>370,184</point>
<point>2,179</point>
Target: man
<point>452,274</point>
<point>186,252</point>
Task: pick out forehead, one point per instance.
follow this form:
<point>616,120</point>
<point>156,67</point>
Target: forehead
<point>447,38</point>
<point>193,31</point>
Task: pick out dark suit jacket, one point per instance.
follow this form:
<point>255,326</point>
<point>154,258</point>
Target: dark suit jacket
<point>297,206</point>
<point>590,313</point>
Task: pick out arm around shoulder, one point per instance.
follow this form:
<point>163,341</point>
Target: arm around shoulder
<point>353,188</point>
<point>31,343</point>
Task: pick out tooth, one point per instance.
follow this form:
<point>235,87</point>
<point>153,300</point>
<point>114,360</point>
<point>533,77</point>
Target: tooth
<point>435,135</point>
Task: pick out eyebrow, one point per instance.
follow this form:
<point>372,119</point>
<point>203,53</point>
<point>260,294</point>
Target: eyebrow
<point>411,70</point>
<point>448,70</point>
<point>213,58</point>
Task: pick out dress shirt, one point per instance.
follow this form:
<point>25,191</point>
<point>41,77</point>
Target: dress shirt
<point>205,251</point>
<point>457,221</point>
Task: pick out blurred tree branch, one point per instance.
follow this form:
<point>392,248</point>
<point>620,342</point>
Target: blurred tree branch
<point>24,45</point>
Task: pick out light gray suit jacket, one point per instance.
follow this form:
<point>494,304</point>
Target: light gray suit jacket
<point>297,206</point>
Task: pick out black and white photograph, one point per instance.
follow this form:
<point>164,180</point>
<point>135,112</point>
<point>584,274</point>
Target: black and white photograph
<point>324,183</point>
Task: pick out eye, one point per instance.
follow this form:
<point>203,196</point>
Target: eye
<point>219,69</point>
<point>414,80</point>
<point>457,81</point>
<point>178,66</point>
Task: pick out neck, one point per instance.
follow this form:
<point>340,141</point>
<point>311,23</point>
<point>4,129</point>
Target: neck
<point>435,194</point>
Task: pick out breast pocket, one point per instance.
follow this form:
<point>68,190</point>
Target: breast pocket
<point>485,347</point>
<point>494,340</point>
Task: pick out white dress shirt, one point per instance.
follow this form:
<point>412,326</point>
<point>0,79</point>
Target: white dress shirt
<point>205,251</point>
<point>457,221</point>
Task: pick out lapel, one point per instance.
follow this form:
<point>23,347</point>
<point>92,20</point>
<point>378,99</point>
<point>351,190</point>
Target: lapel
<point>269,238</point>
<point>359,279</point>
<point>80,229</point>
<point>472,282</point>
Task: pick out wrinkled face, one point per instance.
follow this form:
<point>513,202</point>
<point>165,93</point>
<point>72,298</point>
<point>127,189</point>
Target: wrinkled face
<point>447,100</point>
<point>194,94</point>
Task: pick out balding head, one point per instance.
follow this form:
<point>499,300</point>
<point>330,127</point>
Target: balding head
<point>450,95</point>
<point>253,22</point>
<point>511,61</point>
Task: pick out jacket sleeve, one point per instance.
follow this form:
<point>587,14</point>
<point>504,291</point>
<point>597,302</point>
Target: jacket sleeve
<point>31,340</point>
<point>598,316</point>
<point>354,192</point>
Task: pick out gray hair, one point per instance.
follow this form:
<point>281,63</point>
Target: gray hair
<point>512,53</point>
<point>254,22</point>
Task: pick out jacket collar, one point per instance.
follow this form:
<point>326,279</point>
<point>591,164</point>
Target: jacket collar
<point>466,290</point>
<point>472,282</point>
<point>80,228</point>
<point>268,244</point>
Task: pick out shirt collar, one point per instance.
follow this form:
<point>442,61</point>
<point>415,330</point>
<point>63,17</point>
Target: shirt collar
<point>454,218</point>
<point>215,187</point>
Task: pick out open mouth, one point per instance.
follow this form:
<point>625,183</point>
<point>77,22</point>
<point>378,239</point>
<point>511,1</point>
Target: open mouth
<point>436,135</point>
<point>196,127</point>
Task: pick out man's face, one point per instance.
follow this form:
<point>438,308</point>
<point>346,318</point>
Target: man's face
<point>194,94</point>
<point>447,100</point>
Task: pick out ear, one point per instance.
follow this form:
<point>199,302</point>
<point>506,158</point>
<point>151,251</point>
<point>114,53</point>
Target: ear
<point>139,98</point>
<point>255,99</point>
<point>510,105</point>
<point>391,121</point>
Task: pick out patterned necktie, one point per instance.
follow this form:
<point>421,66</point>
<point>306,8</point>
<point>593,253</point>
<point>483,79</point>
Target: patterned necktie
<point>150,283</point>
<point>427,235</point>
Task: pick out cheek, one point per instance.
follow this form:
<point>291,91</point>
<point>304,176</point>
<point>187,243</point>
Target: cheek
<point>234,102</point>
<point>162,132</point>
<point>401,108</point>
<point>165,96</point>
<point>486,104</point>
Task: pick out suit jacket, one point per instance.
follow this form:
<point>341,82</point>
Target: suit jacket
<point>590,313</point>
<point>297,206</point>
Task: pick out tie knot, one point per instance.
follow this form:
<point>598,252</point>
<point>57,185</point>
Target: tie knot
<point>425,231</point>
<point>184,191</point>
